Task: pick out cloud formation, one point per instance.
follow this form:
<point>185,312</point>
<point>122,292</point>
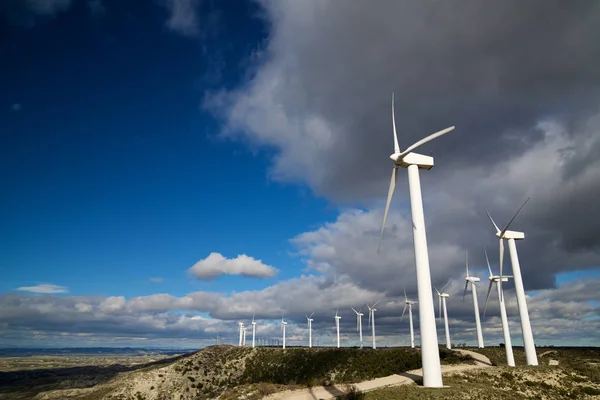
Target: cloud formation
<point>183,16</point>
<point>44,288</point>
<point>215,265</point>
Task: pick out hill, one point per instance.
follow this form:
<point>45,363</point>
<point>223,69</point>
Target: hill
<point>231,372</point>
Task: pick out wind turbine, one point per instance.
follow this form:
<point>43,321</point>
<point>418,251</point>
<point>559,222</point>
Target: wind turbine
<point>472,280</point>
<point>430,356</point>
<point>241,327</point>
<point>372,310</point>
<point>244,340</point>
<point>359,315</point>
<point>283,324</point>
<point>337,326</point>
<point>309,320</point>
<point>511,236</point>
<point>510,359</point>
<point>253,330</point>
<point>442,302</point>
<point>408,303</point>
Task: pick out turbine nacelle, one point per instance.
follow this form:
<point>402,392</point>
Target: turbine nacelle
<point>412,158</point>
<point>472,279</point>
<point>443,295</point>
<point>512,235</point>
<point>496,278</point>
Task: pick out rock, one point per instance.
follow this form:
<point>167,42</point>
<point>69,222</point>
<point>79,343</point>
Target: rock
<point>552,362</point>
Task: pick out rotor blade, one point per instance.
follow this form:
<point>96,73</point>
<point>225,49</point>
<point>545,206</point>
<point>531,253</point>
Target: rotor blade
<point>488,261</point>
<point>405,305</point>
<point>354,310</point>
<point>440,306</point>
<point>438,292</point>
<point>376,303</point>
<point>405,297</point>
<point>357,317</point>
<point>311,314</point>
<point>396,147</point>
<point>336,312</point>
<point>467,261</point>
<point>369,325</point>
<point>425,140</point>
<point>387,204</point>
<point>490,217</point>
<point>487,297</point>
<point>465,293</point>
<point>446,285</point>
<point>501,262</point>
<point>513,218</point>
<point>253,314</point>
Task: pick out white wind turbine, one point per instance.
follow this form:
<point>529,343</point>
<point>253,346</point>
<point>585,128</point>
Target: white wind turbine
<point>244,340</point>
<point>359,315</point>
<point>430,356</point>
<point>510,359</point>
<point>442,304</point>
<point>253,329</point>
<point>337,326</point>
<point>408,303</point>
<point>283,324</point>
<point>511,236</point>
<point>472,280</point>
<point>241,328</point>
<point>309,321</point>
<point>372,310</point>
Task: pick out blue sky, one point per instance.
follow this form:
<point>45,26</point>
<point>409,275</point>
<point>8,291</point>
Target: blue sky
<point>111,171</point>
<point>171,167</point>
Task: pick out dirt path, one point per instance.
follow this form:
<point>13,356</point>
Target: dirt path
<point>406,378</point>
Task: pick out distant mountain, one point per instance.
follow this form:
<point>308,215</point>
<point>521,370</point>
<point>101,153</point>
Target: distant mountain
<point>70,351</point>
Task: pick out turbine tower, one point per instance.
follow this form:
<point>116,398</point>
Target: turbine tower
<point>309,320</point>
<point>244,336</point>
<point>408,303</point>
<point>510,359</point>
<point>442,302</point>
<point>253,330</point>
<point>359,315</point>
<point>511,236</point>
<point>241,327</point>
<point>337,326</point>
<point>472,280</point>
<point>283,324</point>
<point>430,356</point>
<point>372,310</point>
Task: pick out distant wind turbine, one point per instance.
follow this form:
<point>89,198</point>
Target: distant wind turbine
<point>372,310</point>
<point>408,303</point>
<point>253,330</point>
<point>442,304</point>
<point>511,236</point>
<point>472,280</point>
<point>309,321</point>
<point>337,326</point>
<point>359,315</point>
<point>283,324</point>
<point>430,356</point>
<point>244,340</point>
<point>241,327</point>
<point>510,359</point>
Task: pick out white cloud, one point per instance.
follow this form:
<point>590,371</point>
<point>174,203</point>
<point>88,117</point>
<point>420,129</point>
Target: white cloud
<point>44,288</point>
<point>215,264</point>
<point>156,280</point>
<point>183,16</point>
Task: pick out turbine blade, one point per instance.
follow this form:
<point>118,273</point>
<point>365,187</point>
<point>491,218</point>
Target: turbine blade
<point>487,297</point>
<point>336,312</point>
<point>376,303</point>
<point>438,292</point>
<point>405,297</point>
<point>357,317</point>
<point>513,218</point>
<point>354,310</point>
<point>467,261</point>
<point>465,292</point>
<point>396,146</point>
<point>493,223</point>
<point>313,313</point>
<point>403,312</point>
<point>387,204</point>
<point>446,285</point>
<point>425,140</point>
<point>440,306</point>
<point>488,262</point>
